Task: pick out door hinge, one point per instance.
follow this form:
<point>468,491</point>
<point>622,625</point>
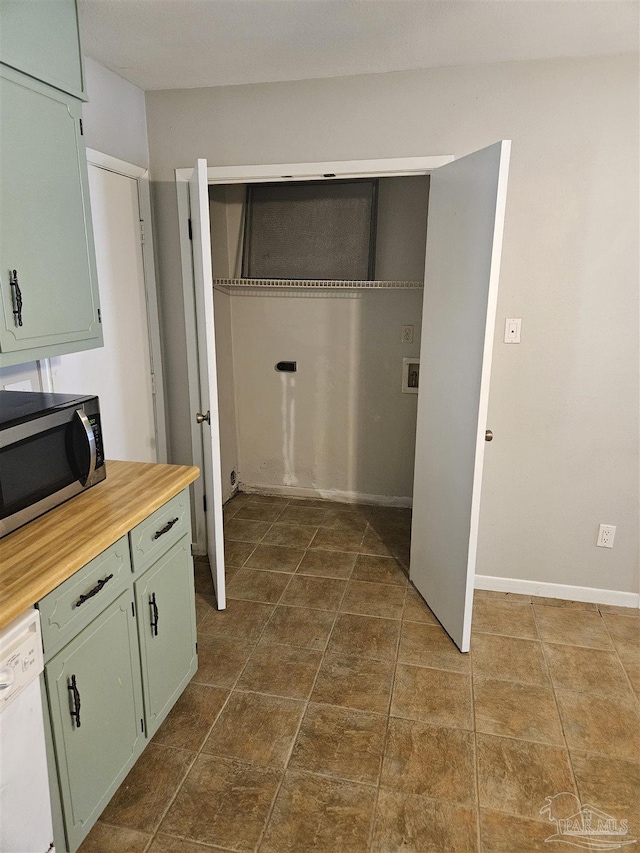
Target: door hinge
<point>133,610</point>
<point>196,648</point>
<point>142,231</point>
<point>141,725</point>
<point>81,128</point>
<point>153,384</point>
<point>99,316</point>
<point>204,502</point>
<point>190,231</point>
<point>193,550</point>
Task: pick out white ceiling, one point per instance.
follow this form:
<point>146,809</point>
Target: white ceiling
<point>175,44</point>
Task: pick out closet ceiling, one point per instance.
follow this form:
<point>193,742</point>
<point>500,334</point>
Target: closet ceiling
<point>175,44</point>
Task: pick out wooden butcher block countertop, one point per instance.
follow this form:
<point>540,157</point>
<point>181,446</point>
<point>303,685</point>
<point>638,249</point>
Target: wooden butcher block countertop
<point>45,552</point>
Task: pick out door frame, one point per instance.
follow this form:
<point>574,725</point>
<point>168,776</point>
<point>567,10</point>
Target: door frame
<point>141,176</point>
<point>271,172</point>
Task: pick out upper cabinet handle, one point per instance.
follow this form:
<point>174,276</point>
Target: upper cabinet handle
<point>17,297</point>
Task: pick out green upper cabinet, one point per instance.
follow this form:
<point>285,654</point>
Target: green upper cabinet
<point>46,234</point>
<point>40,37</point>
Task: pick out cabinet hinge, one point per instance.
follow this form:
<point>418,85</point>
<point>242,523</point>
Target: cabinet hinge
<point>204,502</point>
<point>81,128</point>
<point>99,316</point>
<point>196,648</point>
<point>133,610</point>
<point>142,231</point>
<point>141,725</point>
<point>190,231</point>
<point>153,384</point>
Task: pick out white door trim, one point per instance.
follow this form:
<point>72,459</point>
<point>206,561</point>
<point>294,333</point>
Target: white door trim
<point>141,176</point>
<point>390,167</point>
<point>383,168</point>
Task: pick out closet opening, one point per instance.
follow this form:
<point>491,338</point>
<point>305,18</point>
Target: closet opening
<point>338,430</point>
<point>325,431</point>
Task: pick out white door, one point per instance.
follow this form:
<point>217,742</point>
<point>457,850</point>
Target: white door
<point>203,282</point>
<point>120,372</point>
<point>464,243</point>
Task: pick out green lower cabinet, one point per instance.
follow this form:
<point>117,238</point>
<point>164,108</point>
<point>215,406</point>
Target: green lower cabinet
<point>96,712</point>
<point>165,600</point>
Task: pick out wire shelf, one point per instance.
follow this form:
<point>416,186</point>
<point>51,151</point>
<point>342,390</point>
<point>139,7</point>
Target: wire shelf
<point>312,284</point>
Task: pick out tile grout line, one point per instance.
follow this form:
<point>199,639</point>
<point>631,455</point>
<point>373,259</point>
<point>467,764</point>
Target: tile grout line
<point>337,612</point>
<point>302,717</point>
<point>619,657</point>
<point>226,702</point>
<point>385,739</point>
<point>476,769</point>
<point>557,704</point>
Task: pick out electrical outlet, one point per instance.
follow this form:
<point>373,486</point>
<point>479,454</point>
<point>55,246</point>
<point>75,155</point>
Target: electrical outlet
<point>407,334</point>
<point>512,330</point>
<point>606,534</point>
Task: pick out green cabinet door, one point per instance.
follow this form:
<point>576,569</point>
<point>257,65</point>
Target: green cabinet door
<point>40,37</point>
<point>45,225</point>
<point>98,675</point>
<point>165,599</point>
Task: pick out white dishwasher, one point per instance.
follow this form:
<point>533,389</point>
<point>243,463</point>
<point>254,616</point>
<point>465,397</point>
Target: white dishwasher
<point>25,808</point>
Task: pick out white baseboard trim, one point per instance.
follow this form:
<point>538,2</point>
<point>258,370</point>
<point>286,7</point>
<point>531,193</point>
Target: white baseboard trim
<point>558,590</point>
<point>326,495</point>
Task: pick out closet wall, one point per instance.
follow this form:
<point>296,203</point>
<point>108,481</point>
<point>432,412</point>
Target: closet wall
<point>340,426</point>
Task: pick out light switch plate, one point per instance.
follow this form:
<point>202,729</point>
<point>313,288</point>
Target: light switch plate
<point>512,328</point>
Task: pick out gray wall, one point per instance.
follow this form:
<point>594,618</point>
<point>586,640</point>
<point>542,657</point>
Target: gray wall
<point>341,425</point>
<point>564,403</point>
<point>114,118</point>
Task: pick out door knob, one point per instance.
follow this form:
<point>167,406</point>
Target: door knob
<point>488,436</point>
<point>200,418</point>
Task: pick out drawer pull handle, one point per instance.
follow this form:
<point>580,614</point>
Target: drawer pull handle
<point>94,591</point>
<point>17,297</point>
<point>166,528</point>
<point>154,614</point>
<point>75,698</point>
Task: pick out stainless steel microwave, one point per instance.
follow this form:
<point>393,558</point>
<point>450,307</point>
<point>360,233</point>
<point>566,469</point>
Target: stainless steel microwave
<point>50,450</point>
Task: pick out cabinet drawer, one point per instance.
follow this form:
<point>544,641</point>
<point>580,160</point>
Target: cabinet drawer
<point>156,534</point>
<point>77,601</point>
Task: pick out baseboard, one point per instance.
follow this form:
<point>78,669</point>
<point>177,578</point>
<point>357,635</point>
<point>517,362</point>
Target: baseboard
<point>326,495</point>
<point>558,590</point>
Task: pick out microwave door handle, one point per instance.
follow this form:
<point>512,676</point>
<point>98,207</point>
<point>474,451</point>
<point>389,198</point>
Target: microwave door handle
<point>91,439</point>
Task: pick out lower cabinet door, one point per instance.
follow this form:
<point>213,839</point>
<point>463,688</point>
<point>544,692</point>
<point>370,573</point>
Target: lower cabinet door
<point>95,700</point>
<point>165,600</point>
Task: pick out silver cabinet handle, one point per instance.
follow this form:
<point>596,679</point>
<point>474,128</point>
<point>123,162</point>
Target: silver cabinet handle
<point>488,436</point>
<point>200,418</point>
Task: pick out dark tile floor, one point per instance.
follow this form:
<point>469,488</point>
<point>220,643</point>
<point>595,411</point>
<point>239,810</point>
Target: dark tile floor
<point>332,714</point>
